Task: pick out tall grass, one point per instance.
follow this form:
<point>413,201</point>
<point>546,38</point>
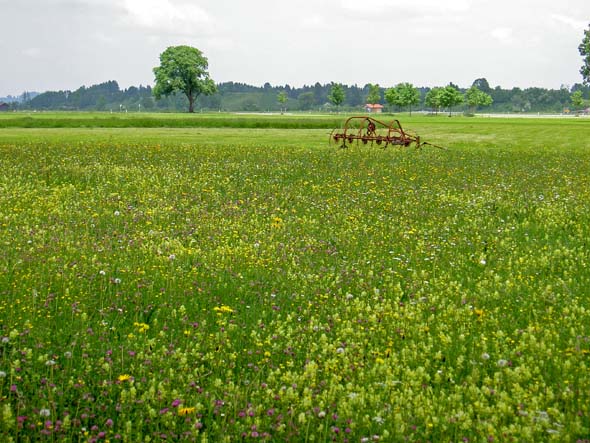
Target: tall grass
<point>255,284</point>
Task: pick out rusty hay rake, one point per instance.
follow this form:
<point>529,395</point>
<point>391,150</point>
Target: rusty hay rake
<point>367,130</point>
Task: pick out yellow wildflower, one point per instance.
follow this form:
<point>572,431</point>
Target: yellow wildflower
<point>223,309</point>
<point>186,411</point>
<point>124,377</point>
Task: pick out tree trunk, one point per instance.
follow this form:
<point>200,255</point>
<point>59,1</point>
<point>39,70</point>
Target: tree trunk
<point>191,103</point>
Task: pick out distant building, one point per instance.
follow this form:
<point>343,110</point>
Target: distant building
<point>4,106</point>
<point>374,108</point>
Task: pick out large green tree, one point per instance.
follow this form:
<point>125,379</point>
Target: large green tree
<point>474,98</point>
<point>577,99</point>
<point>404,94</point>
<point>584,49</point>
<point>336,95</point>
<point>183,69</point>
<point>449,97</point>
<point>432,99</point>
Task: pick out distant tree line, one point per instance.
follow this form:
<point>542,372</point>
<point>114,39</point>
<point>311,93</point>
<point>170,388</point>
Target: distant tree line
<point>232,96</point>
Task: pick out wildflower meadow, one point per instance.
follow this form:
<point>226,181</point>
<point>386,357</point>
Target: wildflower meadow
<point>255,284</point>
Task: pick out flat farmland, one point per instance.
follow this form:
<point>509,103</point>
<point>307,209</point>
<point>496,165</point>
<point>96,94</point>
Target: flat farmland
<point>235,278</point>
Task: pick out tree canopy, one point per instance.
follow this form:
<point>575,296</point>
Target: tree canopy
<point>306,100</point>
<point>449,96</point>
<point>474,98</point>
<point>374,94</point>
<point>404,94</point>
<point>584,49</point>
<point>482,84</point>
<point>183,69</point>
<point>282,99</point>
<point>432,99</point>
<point>337,94</point>
<point>235,96</point>
<point>577,99</point>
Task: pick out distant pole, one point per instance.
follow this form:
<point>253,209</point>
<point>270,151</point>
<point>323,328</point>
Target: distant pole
<point>120,108</point>
<point>139,107</point>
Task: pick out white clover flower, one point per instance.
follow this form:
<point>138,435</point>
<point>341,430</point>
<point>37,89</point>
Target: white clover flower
<point>117,213</point>
<point>117,281</point>
<point>482,261</point>
<point>50,362</point>
<point>502,362</point>
<point>44,412</point>
<point>485,356</point>
<point>101,272</point>
<point>2,374</point>
<point>378,419</point>
<point>340,350</point>
<point>321,414</point>
<point>172,257</point>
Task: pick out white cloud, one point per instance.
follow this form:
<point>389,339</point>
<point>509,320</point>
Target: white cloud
<point>578,25</point>
<point>503,35</point>
<point>314,21</point>
<point>104,38</point>
<point>168,16</point>
<point>296,42</point>
<point>425,7</point>
<point>32,52</point>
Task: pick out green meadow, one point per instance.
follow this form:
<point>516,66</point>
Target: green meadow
<point>235,278</point>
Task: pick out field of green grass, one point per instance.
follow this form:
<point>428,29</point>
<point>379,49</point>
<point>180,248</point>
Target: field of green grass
<point>243,281</point>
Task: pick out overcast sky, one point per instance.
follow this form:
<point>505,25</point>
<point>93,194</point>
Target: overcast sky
<point>63,44</point>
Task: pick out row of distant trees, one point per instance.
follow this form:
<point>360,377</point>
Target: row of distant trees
<point>405,95</point>
<point>184,69</point>
<point>478,96</point>
<point>182,78</point>
<point>232,96</point>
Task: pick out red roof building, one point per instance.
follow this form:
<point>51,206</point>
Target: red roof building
<point>374,108</point>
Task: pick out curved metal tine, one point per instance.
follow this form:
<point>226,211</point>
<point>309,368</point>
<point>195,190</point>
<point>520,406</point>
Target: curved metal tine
<point>435,146</point>
<point>331,140</point>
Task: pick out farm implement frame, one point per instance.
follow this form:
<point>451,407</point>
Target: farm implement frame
<point>364,129</point>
